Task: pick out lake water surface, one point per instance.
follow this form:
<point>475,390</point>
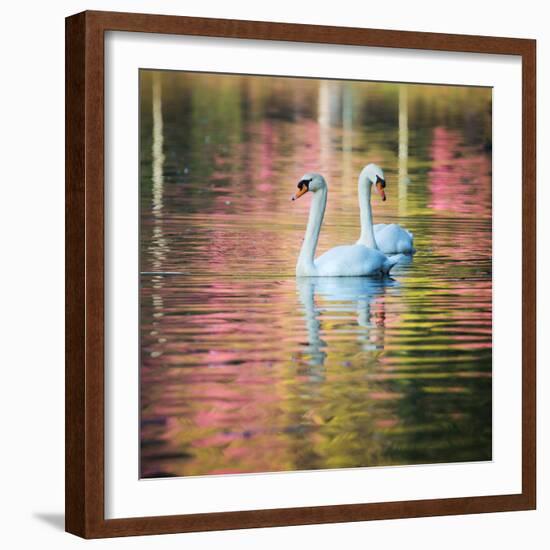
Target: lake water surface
<point>245,368</point>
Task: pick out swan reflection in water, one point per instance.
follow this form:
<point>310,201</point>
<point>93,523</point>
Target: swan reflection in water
<point>342,309</point>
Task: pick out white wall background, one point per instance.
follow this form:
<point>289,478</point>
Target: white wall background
<point>32,253</point>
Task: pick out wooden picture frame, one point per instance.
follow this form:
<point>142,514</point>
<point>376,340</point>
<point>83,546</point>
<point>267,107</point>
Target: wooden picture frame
<point>85,262</point>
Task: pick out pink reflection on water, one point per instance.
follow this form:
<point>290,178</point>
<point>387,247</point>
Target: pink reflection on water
<point>459,181</point>
<point>266,155</point>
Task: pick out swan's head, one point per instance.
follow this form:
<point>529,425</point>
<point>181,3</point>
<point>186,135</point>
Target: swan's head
<point>309,182</point>
<point>375,176</point>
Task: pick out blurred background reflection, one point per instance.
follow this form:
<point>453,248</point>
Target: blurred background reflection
<point>246,369</point>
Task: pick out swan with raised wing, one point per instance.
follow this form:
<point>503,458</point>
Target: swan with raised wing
<point>340,261</point>
<point>388,238</point>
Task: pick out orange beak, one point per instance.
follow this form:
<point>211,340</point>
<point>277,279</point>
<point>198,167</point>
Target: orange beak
<point>380,189</point>
<point>302,190</point>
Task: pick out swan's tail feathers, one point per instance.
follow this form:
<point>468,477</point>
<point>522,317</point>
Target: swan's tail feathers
<point>391,261</point>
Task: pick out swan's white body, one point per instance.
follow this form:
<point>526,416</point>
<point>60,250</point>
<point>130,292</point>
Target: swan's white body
<point>342,261</point>
<point>352,260</point>
<point>394,239</point>
<point>388,238</point>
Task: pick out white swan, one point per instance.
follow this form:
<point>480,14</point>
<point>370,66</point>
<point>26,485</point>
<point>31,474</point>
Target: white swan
<point>341,261</point>
<point>389,238</point>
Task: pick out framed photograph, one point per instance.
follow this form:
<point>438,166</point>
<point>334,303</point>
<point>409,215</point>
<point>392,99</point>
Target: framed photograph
<point>300,274</point>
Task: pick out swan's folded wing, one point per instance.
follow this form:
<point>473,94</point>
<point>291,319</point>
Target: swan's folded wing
<point>350,261</point>
<point>394,239</point>
<point>379,227</point>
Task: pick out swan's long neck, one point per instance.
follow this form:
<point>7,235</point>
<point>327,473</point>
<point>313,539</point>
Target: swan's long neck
<point>367,231</point>
<point>305,265</point>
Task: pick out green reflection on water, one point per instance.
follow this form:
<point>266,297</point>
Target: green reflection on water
<point>246,369</point>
